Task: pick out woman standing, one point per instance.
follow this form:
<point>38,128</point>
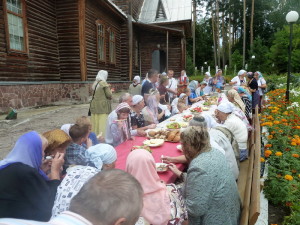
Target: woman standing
<point>240,79</point>
<point>26,192</point>
<point>182,82</point>
<point>101,103</point>
<point>164,95</point>
<point>210,190</point>
<point>135,88</point>
<point>253,88</point>
<point>262,85</point>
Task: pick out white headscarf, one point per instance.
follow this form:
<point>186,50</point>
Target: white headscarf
<point>102,75</point>
<point>136,99</point>
<point>210,121</point>
<point>137,79</point>
<point>101,154</point>
<point>208,74</point>
<point>226,107</point>
<point>66,128</point>
<point>241,72</point>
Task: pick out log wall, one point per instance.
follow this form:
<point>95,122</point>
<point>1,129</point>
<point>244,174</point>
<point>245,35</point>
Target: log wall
<point>42,60</point>
<point>96,11</point>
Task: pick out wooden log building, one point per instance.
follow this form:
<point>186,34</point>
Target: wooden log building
<point>52,50</point>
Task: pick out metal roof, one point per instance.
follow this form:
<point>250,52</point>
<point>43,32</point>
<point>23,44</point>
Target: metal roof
<point>117,8</point>
<point>174,10</point>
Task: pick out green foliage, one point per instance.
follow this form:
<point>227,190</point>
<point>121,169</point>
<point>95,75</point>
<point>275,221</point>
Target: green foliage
<point>190,69</point>
<point>237,59</point>
<point>260,51</point>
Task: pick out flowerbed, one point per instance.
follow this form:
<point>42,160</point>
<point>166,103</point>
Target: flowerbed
<point>282,153</point>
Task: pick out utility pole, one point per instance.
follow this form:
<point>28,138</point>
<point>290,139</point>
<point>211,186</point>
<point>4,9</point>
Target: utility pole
<point>130,38</point>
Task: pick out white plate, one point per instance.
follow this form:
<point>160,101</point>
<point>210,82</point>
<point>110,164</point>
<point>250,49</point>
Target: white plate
<point>154,142</point>
<point>179,147</point>
<point>161,167</point>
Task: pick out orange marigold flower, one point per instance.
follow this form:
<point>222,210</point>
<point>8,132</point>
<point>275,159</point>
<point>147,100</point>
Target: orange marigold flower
<point>293,143</point>
<point>262,159</point>
<point>268,153</point>
<point>288,177</point>
<point>270,137</point>
<point>293,140</point>
<point>285,113</point>
<point>276,122</point>
<point>299,175</point>
<point>268,145</point>
<point>278,153</point>
<point>284,120</point>
<point>273,132</point>
<point>295,155</point>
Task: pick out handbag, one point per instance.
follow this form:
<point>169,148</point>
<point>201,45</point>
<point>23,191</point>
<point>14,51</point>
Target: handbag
<point>89,112</point>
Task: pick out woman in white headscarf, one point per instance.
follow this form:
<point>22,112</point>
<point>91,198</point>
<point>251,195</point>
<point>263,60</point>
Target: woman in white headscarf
<point>135,88</point>
<point>240,79</point>
<point>225,114</point>
<point>207,79</point>
<point>101,103</point>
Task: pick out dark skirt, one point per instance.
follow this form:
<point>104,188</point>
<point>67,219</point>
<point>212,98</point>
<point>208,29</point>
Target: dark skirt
<point>255,99</point>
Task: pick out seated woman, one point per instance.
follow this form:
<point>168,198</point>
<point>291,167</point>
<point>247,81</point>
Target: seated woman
<point>192,98</point>
<point>247,99</point>
<point>182,98</point>
<point>120,128</point>
<point>26,192</point>
<point>224,113</point>
<point>162,203</point>
<point>58,141</point>
<point>234,98</point>
<point>200,90</point>
<point>103,156</point>
<point>136,116</point>
<point>210,190</point>
<point>151,111</point>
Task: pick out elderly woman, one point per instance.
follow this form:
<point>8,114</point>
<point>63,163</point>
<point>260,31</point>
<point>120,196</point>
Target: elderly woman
<point>26,192</point>
<point>233,97</point>
<point>208,87</point>
<point>162,203</point>
<point>137,118</point>
<point>218,81</point>
<point>151,111</point>
<point>103,156</point>
<point>210,190</point>
<point>247,99</point>
<point>262,85</point>
<point>135,88</point>
<point>101,103</point>
<point>240,79</point>
<point>224,113</point>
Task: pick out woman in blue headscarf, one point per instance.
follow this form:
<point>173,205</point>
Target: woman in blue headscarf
<point>26,192</point>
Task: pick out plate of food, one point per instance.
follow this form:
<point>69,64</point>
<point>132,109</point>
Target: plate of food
<point>157,133</point>
<point>173,125</point>
<point>161,167</point>
<point>179,147</point>
<point>205,108</point>
<point>196,110</point>
<point>187,118</point>
<point>146,147</point>
<point>173,136</point>
<point>154,142</point>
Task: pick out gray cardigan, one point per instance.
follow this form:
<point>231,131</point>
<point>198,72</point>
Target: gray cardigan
<point>210,191</point>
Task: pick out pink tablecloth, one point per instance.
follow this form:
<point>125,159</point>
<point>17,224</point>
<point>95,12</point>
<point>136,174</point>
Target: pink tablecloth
<point>168,149</point>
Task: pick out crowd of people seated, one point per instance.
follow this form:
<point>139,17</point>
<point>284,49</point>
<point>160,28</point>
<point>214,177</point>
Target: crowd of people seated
<point>68,174</point>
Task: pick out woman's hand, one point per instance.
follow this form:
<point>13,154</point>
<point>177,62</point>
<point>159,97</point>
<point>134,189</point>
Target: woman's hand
<point>151,126</point>
<point>56,166</point>
<point>174,169</point>
<point>46,165</point>
<point>167,159</point>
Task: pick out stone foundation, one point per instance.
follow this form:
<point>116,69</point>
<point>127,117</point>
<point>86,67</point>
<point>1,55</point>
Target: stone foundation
<point>20,95</point>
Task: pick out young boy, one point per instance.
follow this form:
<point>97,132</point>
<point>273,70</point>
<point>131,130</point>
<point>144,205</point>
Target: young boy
<point>120,128</point>
<point>192,98</point>
<point>75,153</point>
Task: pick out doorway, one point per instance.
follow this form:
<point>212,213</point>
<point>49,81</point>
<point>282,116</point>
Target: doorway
<point>159,60</point>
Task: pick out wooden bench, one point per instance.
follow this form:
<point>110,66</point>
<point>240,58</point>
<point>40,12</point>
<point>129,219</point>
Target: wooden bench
<point>249,177</point>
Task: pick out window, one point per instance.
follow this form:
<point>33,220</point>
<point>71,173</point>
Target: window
<point>15,25</point>
<point>136,54</point>
<point>100,41</point>
<point>112,47</point>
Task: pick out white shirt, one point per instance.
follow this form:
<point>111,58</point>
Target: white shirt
<point>260,82</point>
<point>238,129</point>
<point>174,106</point>
<point>172,85</point>
<point>238,81</point>
<point>222,141</point>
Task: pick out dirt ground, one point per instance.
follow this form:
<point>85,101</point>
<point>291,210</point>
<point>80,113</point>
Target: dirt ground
<point>40,119</point>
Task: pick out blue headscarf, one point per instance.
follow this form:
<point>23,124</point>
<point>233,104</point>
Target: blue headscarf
<point>259,75</point>
<point>27,150</point>
<point>242,90</point>
<point>193,85</point>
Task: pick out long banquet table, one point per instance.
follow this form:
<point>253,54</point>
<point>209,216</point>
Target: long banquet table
<point>167,149</point>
